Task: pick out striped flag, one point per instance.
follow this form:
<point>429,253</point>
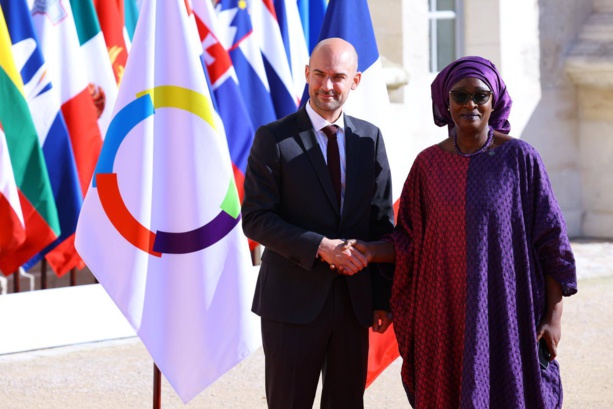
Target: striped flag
<point>130,14</point>
<point>29,169</point>
<point>44,102</point>
<point>312,15</point>
<point>293,40</point>
<point>111,20</point>
<point>224,84</point>
<point>59,42</point>
<point>236,35</point>
<point>96,61</point>
<point>160,225</point>
<point>13,232</point>
<point>268,35</point>
<point>350,20</point>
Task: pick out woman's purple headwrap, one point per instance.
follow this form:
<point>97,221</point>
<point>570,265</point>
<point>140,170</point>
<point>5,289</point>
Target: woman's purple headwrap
<point>471,67</point>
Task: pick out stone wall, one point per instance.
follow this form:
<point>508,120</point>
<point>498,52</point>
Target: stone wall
<point>589,64</point>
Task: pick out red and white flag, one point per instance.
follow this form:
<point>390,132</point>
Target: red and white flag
<point>160,225</point>
<point>110,15</point>
<point>58,39</point>
<point>13,231</point>
<point>98,66</point>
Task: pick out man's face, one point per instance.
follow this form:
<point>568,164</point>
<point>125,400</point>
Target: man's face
<point>331,75</point>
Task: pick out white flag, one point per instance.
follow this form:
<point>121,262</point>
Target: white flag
<point>160,225</point>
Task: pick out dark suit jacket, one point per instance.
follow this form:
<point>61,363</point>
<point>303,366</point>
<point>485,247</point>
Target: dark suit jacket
<point>290,205</point>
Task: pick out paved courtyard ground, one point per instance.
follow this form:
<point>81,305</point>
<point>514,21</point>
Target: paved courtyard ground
<point>119,373</point>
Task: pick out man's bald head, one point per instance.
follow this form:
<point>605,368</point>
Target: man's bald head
<point>336,47</point>
<point>332,74</point>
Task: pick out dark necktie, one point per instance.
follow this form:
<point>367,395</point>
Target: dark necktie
<point>334,160</point>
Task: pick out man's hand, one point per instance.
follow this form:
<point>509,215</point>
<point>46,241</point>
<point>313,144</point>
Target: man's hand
<point>381,321</point>
<point>360,246</point>
<point>346,259</point>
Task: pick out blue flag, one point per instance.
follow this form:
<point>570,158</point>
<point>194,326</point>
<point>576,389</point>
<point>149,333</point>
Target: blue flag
<point>312,15</point>
<point>237,37</point>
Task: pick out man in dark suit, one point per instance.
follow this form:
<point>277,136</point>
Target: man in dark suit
<point>308,186</point>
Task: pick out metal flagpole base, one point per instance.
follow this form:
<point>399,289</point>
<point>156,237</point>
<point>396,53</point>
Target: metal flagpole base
<point>157,387</point>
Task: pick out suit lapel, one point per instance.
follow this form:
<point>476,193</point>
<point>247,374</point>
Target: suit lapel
<point>306,135</point>
<point>352,157</point>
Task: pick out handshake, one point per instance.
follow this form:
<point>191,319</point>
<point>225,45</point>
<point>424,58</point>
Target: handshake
<point>347,257</point>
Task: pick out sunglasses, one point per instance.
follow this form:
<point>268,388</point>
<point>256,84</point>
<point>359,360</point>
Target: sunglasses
<point>478,97</point>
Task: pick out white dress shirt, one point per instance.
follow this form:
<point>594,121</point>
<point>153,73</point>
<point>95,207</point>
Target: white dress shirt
<point>318,124</point>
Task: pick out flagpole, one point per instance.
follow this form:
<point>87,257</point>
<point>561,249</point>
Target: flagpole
<point>73,277</point>
<point>43,274</point>
<point>157,387</point>
<point>16,282</point>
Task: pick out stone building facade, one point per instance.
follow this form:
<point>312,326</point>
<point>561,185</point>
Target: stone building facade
<point>556,57</point>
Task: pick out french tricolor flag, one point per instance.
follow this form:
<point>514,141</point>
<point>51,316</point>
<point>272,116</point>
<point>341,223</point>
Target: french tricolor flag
<point>350,20</point>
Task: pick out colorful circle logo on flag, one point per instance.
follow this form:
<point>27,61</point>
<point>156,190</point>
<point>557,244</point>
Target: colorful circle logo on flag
<point>105,180</point>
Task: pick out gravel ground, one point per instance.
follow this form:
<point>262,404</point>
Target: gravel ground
<point>119,373</point>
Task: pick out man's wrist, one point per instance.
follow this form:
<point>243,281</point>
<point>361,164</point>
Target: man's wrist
<point>321,250</point>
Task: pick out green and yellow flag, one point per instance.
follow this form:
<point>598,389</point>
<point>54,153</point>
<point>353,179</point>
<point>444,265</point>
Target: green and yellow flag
<point>30,172</point>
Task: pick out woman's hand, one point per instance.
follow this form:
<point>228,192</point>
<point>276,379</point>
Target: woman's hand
<point>341,257</point>
<point>360,246</point>
<point>381,321</point>
<point>550,327</point>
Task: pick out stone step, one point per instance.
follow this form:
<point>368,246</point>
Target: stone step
<point>598,28</point>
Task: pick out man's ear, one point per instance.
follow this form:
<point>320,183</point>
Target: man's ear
<point>306,73</point>
<point>356,80</point>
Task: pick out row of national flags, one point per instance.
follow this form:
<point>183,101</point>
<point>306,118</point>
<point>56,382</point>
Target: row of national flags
<point>71,56</point>
<point>125,129</point>
<point>58,90</point>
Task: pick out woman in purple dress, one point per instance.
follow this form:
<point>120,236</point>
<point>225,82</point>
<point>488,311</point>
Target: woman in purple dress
<point>482,257</point>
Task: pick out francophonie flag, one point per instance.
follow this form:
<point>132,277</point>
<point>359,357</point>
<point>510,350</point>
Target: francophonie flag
<point>160,225</point>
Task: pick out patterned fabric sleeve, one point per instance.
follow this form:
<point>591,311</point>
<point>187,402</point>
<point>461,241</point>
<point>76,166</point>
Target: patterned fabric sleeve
<point>549,238</point>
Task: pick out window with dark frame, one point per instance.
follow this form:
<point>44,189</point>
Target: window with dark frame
<point>445,32</point>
